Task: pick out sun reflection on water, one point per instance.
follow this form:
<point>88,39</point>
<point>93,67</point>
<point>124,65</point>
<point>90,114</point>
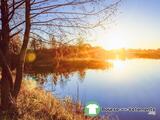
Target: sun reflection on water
<point>118,64</point>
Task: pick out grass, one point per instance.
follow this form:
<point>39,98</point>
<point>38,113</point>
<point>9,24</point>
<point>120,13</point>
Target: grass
<point>36,104</point>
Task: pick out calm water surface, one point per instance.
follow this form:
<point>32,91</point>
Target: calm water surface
<point>129,83</point>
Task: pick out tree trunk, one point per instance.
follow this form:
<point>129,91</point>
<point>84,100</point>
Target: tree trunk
<point>20,67</point>
<point>7,81</point>
<point>6,97</point>
<point>7,101</point>
<point>18,80</point>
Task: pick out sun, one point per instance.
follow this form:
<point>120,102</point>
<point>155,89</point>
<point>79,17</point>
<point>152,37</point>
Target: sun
<point>112,39</point>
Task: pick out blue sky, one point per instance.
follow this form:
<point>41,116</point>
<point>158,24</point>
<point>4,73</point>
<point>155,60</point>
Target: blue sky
<point>137,25</point>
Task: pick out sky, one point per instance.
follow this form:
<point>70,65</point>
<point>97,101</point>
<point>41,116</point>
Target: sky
<point>137,25</point>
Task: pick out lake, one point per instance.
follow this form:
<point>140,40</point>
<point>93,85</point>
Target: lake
<point>127,84</point>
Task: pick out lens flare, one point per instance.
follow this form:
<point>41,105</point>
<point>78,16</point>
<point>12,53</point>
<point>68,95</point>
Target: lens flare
<point>31,57</point>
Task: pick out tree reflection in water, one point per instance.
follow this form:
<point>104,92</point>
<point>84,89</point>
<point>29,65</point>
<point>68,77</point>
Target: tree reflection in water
<point>62,73</point>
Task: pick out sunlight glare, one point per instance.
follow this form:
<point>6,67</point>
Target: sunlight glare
<point>118,64</point>
<point>114,38</point>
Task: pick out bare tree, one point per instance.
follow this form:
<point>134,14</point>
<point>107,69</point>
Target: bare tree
<point>62,19</point>
<point>10,88</point>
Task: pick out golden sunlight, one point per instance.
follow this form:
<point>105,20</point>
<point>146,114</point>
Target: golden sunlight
<point>113,39</point>
<point>118,64</point>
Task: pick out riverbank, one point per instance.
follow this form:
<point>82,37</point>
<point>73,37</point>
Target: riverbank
<point>36,104</point>
<point>95,53</point>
